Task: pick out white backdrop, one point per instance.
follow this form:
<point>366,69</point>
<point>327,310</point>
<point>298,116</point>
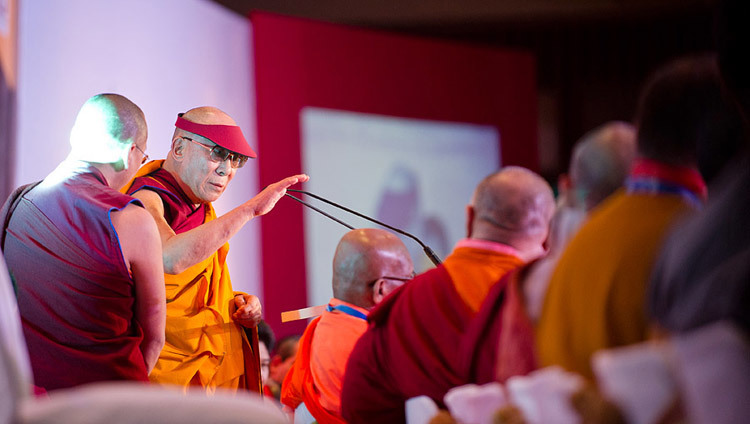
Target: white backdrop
<point>413,174</point>
<point>165,55</point>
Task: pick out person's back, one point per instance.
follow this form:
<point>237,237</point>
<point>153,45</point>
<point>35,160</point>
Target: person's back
<point>499,344</point>
<point>596,295</point>
<point>703,274</point>
<point>77,295</point>
<point>411,347</point>
<point>58,235</point>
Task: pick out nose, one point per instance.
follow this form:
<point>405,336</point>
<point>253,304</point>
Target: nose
<point>225,167</point>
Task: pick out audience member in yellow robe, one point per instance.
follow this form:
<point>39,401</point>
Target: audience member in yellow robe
<point>367,266</point>
<point>499,343</point>
<point>204,341</point>
<point>596,298</point>
<point>599,165</point>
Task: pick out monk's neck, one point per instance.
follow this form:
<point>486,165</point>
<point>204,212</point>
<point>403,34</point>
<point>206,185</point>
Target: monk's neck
<point>170,167</point>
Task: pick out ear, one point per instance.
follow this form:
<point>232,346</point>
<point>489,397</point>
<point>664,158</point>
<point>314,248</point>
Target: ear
<point>469,220</point>
<point>379,291</point>
<point>178,147</point>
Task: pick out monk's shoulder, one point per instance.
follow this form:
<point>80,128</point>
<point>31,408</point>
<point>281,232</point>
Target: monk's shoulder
<point>432,284</point>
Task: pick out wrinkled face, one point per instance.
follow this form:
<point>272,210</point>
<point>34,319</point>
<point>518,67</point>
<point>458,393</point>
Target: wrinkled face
<point>205,178</point>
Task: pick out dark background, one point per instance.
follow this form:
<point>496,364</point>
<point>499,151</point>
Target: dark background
<point>592,55</point>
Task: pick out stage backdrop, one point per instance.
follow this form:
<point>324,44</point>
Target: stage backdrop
<point>167,56</point>
<point>397,127</point>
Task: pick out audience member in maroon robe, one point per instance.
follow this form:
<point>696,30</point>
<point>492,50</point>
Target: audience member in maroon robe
<point>86,259</point>
<point>411,345</point>
<point>500,342</point>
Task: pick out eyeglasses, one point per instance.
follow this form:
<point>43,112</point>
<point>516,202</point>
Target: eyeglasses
<point>388,277</point>
<point>145,156</point>
<point>220,154</point>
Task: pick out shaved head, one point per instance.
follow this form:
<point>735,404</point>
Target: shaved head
<point>514,207</point>
<point>105,128</point>
<point>206,115</point>
<point>363,257</point>
<point>600,162</point>
<point>203,179</point>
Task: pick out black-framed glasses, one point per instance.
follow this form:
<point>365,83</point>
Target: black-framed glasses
<point>145,156</point>
<point>220,154</point>
<point>388,277</point>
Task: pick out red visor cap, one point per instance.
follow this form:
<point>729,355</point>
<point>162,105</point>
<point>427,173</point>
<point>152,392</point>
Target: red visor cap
<point>227,136</point>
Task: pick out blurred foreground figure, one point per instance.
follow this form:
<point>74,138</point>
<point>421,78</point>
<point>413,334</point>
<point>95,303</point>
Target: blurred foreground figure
<point>703,275</point>
<point>411,345</point>
<point>205,344</point>
<point>367,266</point>
<point>85,258</point>
<point>699,298</point>
<point>597,295</point>
<point>702,279</point>
<point>113,402</point>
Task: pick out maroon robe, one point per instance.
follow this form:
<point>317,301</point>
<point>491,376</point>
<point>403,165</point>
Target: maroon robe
<point>75,294</point>
<point>499,342</point>
<point>179,211</point>
<point>410,349</point>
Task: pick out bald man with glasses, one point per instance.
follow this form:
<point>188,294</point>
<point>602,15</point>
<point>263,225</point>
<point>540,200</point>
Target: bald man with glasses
<point>367,266</point>
<point>85,257</point>
<point>205,345</point>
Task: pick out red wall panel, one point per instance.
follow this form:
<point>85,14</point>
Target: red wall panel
<point>304,63</point>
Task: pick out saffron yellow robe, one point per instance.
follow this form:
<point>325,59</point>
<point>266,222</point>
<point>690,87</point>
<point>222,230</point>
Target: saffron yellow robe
<point>204,346</point>
<point>596,297</point>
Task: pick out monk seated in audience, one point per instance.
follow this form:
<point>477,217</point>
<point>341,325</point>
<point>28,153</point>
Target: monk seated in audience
<point>500,341</point>
<point>597,295</point>
<point>411,345</point>
<point>367,266</point>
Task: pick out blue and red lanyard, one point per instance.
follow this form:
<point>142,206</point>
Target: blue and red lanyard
<point>648,176</point>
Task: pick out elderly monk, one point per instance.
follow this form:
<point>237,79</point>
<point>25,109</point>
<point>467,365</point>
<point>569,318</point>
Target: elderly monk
<point>205,344</point>
<point>367,266</point>
<point>500,342</point>
<point>411,345</point>
<point>598,167</point>
<point>85,257</point>
<point>596,297</point>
